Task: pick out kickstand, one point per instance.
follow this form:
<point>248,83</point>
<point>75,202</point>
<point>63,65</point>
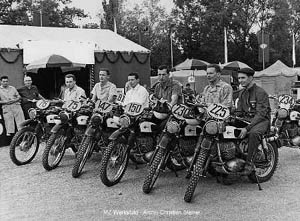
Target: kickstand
<point>174,170</point>
<point>136,166</point>
<point>257,181</point>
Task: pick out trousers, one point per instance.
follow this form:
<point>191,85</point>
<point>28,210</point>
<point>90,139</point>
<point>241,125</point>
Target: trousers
<point>12,113</point>
<point>255,136</point>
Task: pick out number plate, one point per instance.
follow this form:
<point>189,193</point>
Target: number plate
<point>133,109</point>
<point>286,101</point>
<point>120,97</point>
<point>180,110</point>
<point>218,111</point>
<point>72,105</point>
<point>103,106</point>
<point>42,104</point>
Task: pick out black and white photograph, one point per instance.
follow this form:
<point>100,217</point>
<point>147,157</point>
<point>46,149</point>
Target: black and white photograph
<point>150,110</point>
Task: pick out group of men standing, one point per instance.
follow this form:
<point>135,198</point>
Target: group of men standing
<point>252,101</point>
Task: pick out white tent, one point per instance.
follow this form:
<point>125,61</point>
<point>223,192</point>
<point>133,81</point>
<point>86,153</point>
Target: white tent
<point>277,78</point>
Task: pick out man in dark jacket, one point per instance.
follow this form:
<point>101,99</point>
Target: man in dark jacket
<point>253,103</point>
<point>29,95</point>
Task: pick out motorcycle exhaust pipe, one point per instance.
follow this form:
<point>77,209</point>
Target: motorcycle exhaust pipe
<point>272,138</point>
<point>296,141</point>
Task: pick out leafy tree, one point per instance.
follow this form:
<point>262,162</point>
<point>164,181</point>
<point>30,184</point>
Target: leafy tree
<point>20,12</point>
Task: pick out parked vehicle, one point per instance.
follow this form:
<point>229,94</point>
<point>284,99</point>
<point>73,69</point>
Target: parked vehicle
<point>286,121</point>
<point>135,139</point>
<point>221,153</point>
<point>25,143</point>
<point>100,126</point>
<point>68,131</point>
<point>177,143</point>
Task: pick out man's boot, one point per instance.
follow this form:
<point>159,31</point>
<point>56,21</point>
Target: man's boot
<point>248,169</point>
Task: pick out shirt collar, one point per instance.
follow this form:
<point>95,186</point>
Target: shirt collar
<point>74,88</point>
<point>217,84</point>
<point>136,87</point>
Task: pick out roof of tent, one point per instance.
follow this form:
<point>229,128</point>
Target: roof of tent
<point>276,69</point>
<point>187,73</point>
<point>13,36</point>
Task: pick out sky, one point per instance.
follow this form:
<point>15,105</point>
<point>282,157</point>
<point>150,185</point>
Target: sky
<point>93,7</point>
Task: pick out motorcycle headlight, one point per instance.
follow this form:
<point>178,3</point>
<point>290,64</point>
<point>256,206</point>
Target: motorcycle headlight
<point>124,121</point>
<point>64,117</point>
<point>96,119</point>
<point>32,113</point>
<point>173,127</point>
<point>282,113</point>
<point>211,127</point>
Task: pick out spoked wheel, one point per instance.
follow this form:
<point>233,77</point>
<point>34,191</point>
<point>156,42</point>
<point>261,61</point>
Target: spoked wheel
<point>114,163</point>
<point>54,151</point>
<point>154,171</point>
<point>24,146</point>
<point>265,161</point>
<point>84,152</point>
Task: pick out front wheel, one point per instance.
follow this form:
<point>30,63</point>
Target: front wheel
<point>84,151</point>
<point>114,163</point>
<point>24,146</point>
<point>154,171</point>
<point>54,151</point>
<point>266,161</point>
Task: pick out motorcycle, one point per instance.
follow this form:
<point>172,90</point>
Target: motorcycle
<point>177,143</point>
<point>286,122</point>
<point>135,139</point>
<point>25,143</point>
<point>68,131</point>
<point>101,125</point>
<point>221,153</point>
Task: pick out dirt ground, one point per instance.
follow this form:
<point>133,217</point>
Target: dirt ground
<point>31,193</point>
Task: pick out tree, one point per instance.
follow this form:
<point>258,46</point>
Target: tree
<point>20,12</point>
<point>147,24</point>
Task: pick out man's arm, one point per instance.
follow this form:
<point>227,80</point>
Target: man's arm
<point>176,92</point>
<point>262,109</point>
<point>112,94</point>
<point>226,96</point>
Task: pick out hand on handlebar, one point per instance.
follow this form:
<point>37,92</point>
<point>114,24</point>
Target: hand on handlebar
<point>243,133</point>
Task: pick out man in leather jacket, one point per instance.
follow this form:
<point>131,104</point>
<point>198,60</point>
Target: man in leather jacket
<point>253,104</point>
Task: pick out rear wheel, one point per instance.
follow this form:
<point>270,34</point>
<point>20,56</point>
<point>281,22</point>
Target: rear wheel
<point>266,161</point>
<point>24,146</point>
<point>54,151</point>
<point>84,152</point>
<point>154,171</point>
<point>114,163</point>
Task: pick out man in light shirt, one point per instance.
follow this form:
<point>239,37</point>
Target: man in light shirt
<point>137,93</point>
<point>104,90</point>
<point>11,106</point>
<point>72,91</point>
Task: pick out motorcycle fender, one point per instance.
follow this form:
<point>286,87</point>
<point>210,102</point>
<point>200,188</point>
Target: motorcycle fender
<point>146,127</point>
<point>190,130</point>
<point>56,128</point>
<point>28,122</point>
<point>164,141</point>
<point>90,131</point>
<point>118,135</point>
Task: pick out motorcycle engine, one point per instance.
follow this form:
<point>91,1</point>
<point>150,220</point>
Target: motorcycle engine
<point>228,150</point>
<point>293,131</point>
<point>187,146</point>
<point>146,143</point>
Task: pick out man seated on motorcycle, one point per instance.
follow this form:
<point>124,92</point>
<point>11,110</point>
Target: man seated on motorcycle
<point>167,89</point>
<point>72,91</point>
<point>217,91</point>
<point>253,104</point>
<point>136,93</point>
<point>104,90</point>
